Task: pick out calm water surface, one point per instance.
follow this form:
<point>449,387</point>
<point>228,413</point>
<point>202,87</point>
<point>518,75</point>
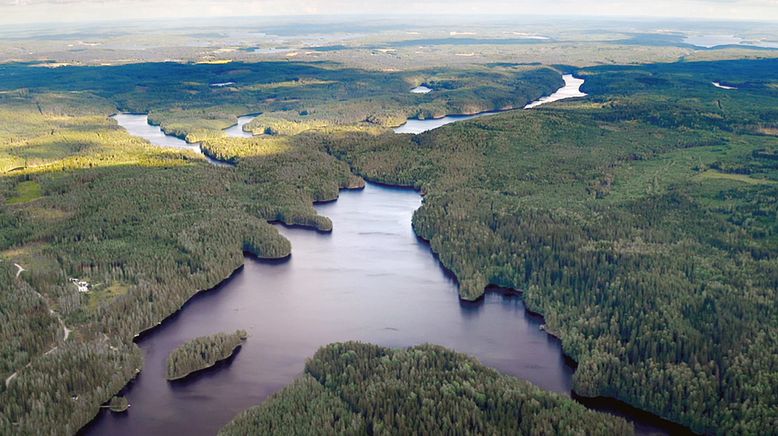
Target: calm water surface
<point>138,125</point>
<point>571,89</point>
<point>421,90</point>
<point>710,41</point>
<point>237,131</point>
<point>370,280</point>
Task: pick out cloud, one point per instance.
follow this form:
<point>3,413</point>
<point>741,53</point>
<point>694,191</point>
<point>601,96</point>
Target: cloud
<point>27,11</point>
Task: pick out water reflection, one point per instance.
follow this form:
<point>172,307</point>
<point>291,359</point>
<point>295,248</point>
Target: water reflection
<point>370,280</point>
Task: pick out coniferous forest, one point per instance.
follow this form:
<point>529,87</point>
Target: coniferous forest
<point>355,388</point>
<point>202,353</point>
<point>640,221</point>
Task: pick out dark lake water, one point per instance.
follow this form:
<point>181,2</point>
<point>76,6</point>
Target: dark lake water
<point>370,280</point>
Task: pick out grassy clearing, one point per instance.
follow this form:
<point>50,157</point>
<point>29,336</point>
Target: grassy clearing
<point>104,294</point>
<point>716,175</point>
<point>26,192</point>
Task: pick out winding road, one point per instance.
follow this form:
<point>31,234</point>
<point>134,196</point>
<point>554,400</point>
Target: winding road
<point>65,329</point>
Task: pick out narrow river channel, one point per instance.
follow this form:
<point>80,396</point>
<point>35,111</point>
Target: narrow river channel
<point>571,89</point>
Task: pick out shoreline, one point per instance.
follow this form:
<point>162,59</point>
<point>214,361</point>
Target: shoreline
<point>601,404</point>
<point>247,134</point>
<point>190,146</point>
<point>231,354</point>
<point>604,404</point>
<point>612,402</point>
<point>542,100</point>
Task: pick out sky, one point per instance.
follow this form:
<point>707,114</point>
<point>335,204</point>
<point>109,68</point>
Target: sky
<point>55,11</point>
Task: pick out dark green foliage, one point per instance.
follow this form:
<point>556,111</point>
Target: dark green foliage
<point>147,227</point>
<point>355,388</point>
<point>119,404</point>
<point>26,328</point>
<point>642,223</point>
<point>305,407</point>
<point>292,97</point>
<point>201,353</point>
<point>78,375</point>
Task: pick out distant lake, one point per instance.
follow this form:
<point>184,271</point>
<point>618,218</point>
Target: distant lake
<point>272,50</point>
<point>237,131</point>
<point>138,125</point>
<point>370,280</point>
<point>710,41</point>
<point>420,126</point>
<point>720,86</point>
<point>571,89</point>
<point>421,90</point>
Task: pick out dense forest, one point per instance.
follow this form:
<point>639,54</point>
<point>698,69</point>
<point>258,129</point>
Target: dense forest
<point>641,222</point>
<point>355,388</point>
<point>291,97</point>
<point>202,353</point>
<point>145,227</point>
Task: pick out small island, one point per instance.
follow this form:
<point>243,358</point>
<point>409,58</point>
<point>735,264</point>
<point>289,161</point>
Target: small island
<point>202,353</point>
<point>119,404</point>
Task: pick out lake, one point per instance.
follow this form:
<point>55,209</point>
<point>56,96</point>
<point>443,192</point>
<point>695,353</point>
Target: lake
<point>371,280</point>
<point>421,90</point>
<point>720,86</point>
<point>710,41</point>
<point>237,131</point>
<point>571,89</point>
<point>138,125</point>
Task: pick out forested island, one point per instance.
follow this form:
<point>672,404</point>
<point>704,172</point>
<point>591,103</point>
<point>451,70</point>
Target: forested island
<point>119,405</point>
<point>355,388</point>
<point>202,353</point>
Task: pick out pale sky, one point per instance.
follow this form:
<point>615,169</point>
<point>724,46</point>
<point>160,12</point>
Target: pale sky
<point>53,11</point>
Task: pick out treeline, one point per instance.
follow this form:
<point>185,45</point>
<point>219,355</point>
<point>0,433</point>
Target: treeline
<point>201,353</point>
<point>355,388</point>
<point>650,248</point>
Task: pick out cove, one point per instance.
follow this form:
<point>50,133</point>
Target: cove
<point>571,89</point>
<point>371,280</point>
<point>237,131</point>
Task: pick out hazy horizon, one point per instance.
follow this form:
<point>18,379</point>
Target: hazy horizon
<point>23,12</point>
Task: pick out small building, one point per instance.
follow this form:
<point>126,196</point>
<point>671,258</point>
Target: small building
<point>82,285</point>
